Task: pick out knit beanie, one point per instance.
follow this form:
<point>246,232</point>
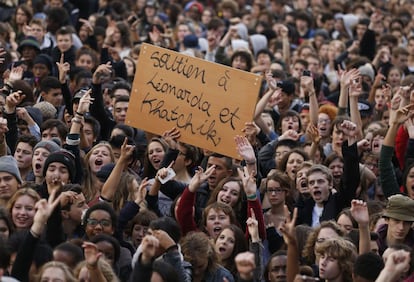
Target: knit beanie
<point>47,109</point>
<point>49,145</point>
<point>9,164</point>
<point>44,59</point>
<point>64,157</point>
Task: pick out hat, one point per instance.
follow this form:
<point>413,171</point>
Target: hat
<point>35,114</point>
<point>49,145</point>
<point>47,109</point>
<point>194,4</point>
<point>105,171</point>
<point>64,157</point>
<point>287,86</point>
<point>191,41</point>
<point>151,3</point>
<point>400,207</point>
<point>79,94</point>
<point>364,108</point>
<point>367,70</point>
<point>29,41</point>
<point>9,164</point>
<point>44,59</point>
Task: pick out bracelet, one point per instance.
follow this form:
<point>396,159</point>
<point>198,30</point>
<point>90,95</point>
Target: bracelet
<point>251,197</point>
<point>78,113</point>
<point>76,120</point>
<point>34,234</point>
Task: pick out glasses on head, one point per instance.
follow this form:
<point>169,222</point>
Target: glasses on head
<point>275,190</point>
<point>94,222</point>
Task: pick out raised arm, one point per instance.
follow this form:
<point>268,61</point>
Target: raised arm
<point>289,235</point>
<point>111,185</point>
<point>359,212</point>
<point>308,89</point>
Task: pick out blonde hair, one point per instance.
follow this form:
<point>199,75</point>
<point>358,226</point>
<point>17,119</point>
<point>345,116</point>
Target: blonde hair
<point>69,277</point>
<point>19,193</point>
<point>103,266</point>
<point>88,190</point>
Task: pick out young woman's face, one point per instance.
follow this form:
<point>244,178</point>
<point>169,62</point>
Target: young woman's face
<point>345,223</point>
<point>275,193</point>
<point>293,163</point>
<point>329,267</point>
<point>99,222</point>
<point>155,154</point>
<point>85,61</point>
<point>224,245</point>
<point>229,194</point>
<point>53,274</point>
<point>100,156</point>
<point>23,212</point>
<point>217,220</point>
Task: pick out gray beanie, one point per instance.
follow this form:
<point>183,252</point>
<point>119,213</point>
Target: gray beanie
<point>49,145</point>
<point>9,164</point>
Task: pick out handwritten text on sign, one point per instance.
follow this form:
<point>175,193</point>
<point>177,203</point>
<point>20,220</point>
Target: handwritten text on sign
<point>208,102</point>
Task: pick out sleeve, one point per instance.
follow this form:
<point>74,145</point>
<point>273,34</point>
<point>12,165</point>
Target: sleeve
<point>173,189</point>
<point>185,208</point>
<point>67,97</point>
<point>367,46</point>
<point>152,202</point>
<point>409,155</point>
<point>173,257</point>
<point>141,272</point>
<point>72,144</point>
<point>401,141</point>
<point>97,110</point>
<point>257,249</point>
<point>12,134</point>
<point>350,177</point>
<point>388,178</point>
<point>24,258</point>
<point>257,209</point>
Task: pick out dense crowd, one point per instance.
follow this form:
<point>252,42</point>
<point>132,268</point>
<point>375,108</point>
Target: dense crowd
<point>325,185</point>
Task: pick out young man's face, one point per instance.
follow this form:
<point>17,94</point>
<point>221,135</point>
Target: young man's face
<point>120,111</point>
<point>397,229</point>
<point>8,185</point>
<point>37,32</point>
<point>53,96</point>
<point>23,155</point>
<point>40,71</point>
<point>220,172</point>
<point>319,186</point>
<point>77,208</point>
<point>64,42</point>
<point>50,133</point>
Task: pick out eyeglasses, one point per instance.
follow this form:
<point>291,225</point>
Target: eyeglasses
<point>94,222</point>
<point>327,121</point>
<point>275,190</point>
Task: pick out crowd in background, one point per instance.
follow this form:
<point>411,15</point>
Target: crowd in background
<point>325,185</point>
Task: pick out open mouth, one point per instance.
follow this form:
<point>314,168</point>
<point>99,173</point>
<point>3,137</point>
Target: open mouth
<point>98,162</point>
<point>290,127</point>
<point>222,250</point>
<point>217,230</point>
<point>38,166</point>
<point>317,193</point>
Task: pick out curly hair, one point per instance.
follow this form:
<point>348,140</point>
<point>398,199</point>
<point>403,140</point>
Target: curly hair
<point>308,252</point>
<point>343,251</point>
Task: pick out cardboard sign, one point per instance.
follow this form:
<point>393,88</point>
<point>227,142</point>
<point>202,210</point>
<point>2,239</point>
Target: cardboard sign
<point>209,103</point>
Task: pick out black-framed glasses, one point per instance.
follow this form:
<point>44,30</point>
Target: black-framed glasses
<point>94,222</point>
